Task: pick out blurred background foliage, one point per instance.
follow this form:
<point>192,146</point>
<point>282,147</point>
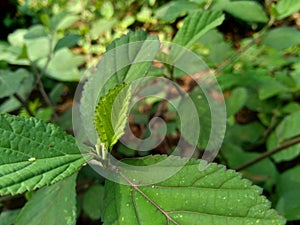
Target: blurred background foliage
<point>46,46</point>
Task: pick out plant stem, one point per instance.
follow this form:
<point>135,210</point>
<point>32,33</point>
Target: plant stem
<point>269,153</point>
<point>39,82</point>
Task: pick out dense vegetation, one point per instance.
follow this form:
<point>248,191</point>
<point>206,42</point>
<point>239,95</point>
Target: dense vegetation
<point>251,48</point>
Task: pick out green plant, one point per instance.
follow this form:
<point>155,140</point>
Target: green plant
<point>260,82</point>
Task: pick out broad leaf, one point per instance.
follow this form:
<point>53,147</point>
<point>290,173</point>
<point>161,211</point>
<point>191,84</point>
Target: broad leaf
<point>195,25</point>
<point>210,196</point>
<point>51,205</point>
<point>281,38</point>
<point>247,10</point>
<point>111,115</point>
<point>34,154</point>
<point>285,8</point>
<point>126,60</point>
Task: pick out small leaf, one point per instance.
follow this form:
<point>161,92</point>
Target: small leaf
<point>101,26</point>
<point>249,11</point>
<point>34,154</point>
<point>62,21</point>
<point>287,129</point>
<point>111,115</point>
<point>195,25</point>
<point>67,41</point>
<point>174,9</point>
<point>51,205</point>
<point>281,38</point>
<point>17,37</point>
<point>93,201</point>
<point>211,196</point>
<point>236,100</point>
<point>285,8</point>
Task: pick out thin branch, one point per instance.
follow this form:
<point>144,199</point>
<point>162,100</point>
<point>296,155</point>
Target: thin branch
<point>269,153</point>
<point>39,82</point>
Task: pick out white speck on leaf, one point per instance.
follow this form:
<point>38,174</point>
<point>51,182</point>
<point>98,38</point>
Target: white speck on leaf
<point>31,159</point>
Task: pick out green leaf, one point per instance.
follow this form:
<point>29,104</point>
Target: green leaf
<point>289,205</point>
<point>17,37</point>
<point>174,9</point>
<point>9,217</point>
<point>38,48</point>
<point>281,38</point>
<point>289,180</point>
<point>64,65</point>
<point>36,31</point>
<point>67,41</point>
<point>131,56</point>
<point>107,10</point>
<point>51,205</point>
<point>101,26</point>
<point>249,11</point>
<point>288,190</point>
<point>24,90</point>
<point>34,154</point>
<point>236,100</point>
<point>269,86</point>
<point>93,201</point>
<point>111,115</point>
<point>287,129</point>
<point>195,25</point>
<point>11,81</point>
<point>11,54</point>
<point>210,196</point>
<point>263,172</point>
<point>285,8</point>
<point>62,21</point>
